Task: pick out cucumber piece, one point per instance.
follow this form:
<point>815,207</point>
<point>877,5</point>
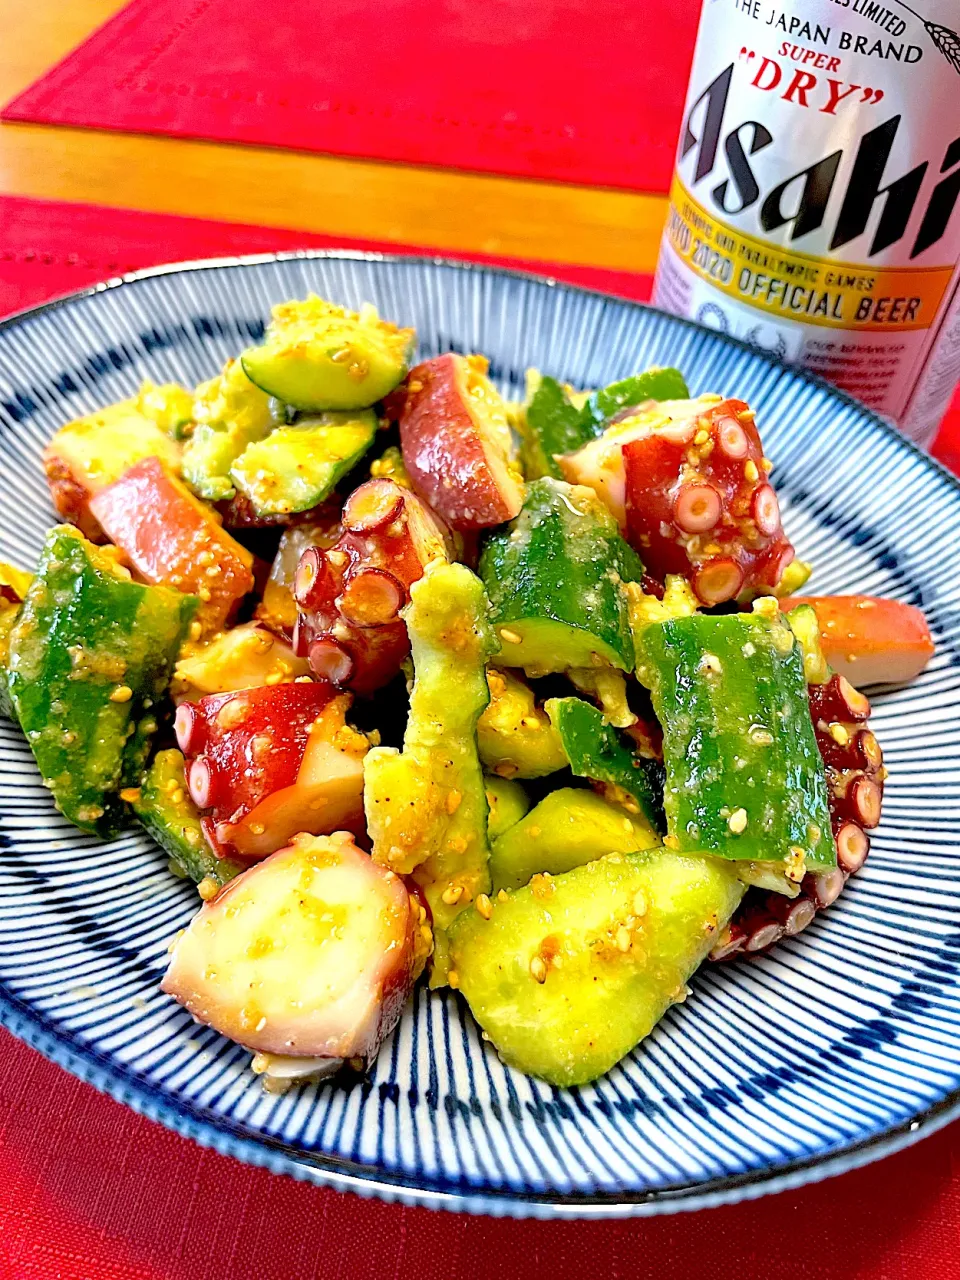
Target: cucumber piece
<point>794,577</point>
<point>556,578</point>
<point>745,779</point>
<point>230,413</point>
<point>805,625</point>
<point>570,973</point>
<point>166,810</point>
<point>654,384</point>
<point>9,612</point>
<point>426,805</point>
<point>514,736</point>
<point>554,424</point>
<point>245,657</point>
<point>566,829</point>
<point>319,357</point>
<point>90,654</point>
<point>169,405</point>
<point>594,750</point>
<point>296,467</point>
<point>507,802</point>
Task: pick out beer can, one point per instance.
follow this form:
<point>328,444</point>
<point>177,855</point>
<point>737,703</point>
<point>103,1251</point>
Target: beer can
<point>814,206</point>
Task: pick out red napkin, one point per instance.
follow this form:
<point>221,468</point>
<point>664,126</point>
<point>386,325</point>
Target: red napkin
<point>588,93</point>
<point>49,247</point>
<point>90,1191</point>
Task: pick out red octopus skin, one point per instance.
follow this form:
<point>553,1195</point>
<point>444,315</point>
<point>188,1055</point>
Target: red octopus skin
<point>699,503</point>
<point>242,747</point>
<point>855,777</point>
<point>349,595</point>
<point>452,448</point>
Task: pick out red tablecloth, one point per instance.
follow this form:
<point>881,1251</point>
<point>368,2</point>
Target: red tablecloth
<point>587,93</point>
<point>90,1191</point>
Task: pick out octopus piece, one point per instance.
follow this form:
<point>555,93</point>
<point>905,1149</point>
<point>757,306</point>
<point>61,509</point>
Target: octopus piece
<point>699,503</point>
<point>457,444</point>
<point>266,763</point>
<point>320,919</point>
<point>349,595</point>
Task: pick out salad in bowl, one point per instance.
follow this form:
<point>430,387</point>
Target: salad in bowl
<point>418,684</point>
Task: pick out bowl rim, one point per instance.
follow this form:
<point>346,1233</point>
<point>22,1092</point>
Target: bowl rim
<point>95,1068</point>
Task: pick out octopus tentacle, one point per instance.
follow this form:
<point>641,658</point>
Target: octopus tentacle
<point>349,596</point>
<point>855,776</point>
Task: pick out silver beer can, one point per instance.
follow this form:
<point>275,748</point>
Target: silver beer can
<point>815,205</point>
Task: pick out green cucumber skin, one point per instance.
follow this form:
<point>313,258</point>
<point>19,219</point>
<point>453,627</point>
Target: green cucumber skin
<point>175,824</point>
<point>554,426</point>
<point>710,720</point>
<point>83,632</point>
<point>563,560</point>
<point>655,384</point>
<point>595,751</point>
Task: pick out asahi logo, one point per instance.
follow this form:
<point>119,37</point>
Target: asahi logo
<point>800,200</point>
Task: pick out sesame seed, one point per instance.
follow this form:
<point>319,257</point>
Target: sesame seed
<point>538,970</point>
<point>207,888</point>
<point>452,894</point>
<point>639,903</point>
<point>510,637</point>
<point>750,471</point>
<point>766,464</point>
<point>840,734</point>
<point>484,906</point>
<point>622,938</point>
<point>122,693</point>
<point>503,896</point>
<point>737,822</point>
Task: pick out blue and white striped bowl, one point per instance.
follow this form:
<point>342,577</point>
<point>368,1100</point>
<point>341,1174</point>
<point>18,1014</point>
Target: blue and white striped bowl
<point>838,1047</point>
